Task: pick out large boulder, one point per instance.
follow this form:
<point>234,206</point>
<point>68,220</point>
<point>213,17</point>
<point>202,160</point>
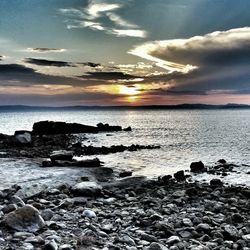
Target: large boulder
<point>197,167</point>
<point>87,188</point>
<point>25,219</point>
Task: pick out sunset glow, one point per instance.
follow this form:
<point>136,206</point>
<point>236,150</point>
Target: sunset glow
<point>114,52</point>
<point>131,90</point>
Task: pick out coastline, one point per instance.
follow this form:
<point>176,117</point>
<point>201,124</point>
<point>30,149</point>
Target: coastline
<point>105,208</point>
<point>128,213</point>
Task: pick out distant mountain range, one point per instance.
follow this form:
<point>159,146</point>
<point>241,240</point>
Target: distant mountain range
<point>15,108</point>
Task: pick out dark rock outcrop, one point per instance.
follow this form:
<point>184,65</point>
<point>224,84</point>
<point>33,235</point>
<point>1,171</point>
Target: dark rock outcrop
<point>91,150</point>
<point>197,167</point>
<point>50,127</point>
<point>107,128</point>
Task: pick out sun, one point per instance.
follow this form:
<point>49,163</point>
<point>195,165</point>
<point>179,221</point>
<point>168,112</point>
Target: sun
<point>131,91</point>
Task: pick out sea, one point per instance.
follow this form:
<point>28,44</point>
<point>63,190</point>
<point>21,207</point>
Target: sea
<point>184,136</point>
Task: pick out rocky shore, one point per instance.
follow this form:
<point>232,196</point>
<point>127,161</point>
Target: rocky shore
<point>129,213</point>
<point>112,210</point>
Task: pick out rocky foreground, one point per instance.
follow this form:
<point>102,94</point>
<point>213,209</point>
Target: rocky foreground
<point>115,211</point>
<point>129,213</point>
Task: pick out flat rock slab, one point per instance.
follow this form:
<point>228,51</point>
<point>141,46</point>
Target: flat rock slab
<point>25,219</point>
<point>62,155</point>
<point>87,188</point>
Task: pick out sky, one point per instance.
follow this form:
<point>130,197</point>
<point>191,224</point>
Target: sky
<point>124,52</point>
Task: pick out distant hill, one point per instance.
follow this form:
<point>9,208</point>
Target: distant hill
<point>23,108</point>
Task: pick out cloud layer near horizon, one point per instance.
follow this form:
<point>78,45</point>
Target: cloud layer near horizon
<point>184,70</point>
<point>215,61</point>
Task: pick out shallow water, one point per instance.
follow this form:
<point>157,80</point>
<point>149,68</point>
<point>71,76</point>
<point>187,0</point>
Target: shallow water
<point>184,136</point>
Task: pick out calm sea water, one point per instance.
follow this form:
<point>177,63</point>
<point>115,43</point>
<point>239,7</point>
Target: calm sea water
<point>184,136</point>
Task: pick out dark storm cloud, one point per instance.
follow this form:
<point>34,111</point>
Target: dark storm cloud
<point>19,74</point>
<point>108,76</point>
<point>219,60</point>
<point>45,62</point>
<point>14,68</point>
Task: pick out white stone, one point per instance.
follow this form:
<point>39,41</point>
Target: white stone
<point>89,214</point>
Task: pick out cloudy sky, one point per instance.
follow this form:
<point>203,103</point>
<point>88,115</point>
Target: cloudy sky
<point>124,52</point>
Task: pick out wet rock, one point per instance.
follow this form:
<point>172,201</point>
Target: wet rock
<point>91,150</point>
<point>88,188</point>
<point>128,129</point>
<point>125,174</point>
<point>222,161</point>
<point>90,163</point>
<point>47,163</point>
<point>216,183</point>
<point>180,176</point>
<point>197,167</point>
<point>62,155</point>
<point>27,219</point>
<point>166,179</point>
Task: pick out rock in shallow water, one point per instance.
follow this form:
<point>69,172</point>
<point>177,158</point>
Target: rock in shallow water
<point>63,155</point>
<point>197,167</point>
<point>26,219</point>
